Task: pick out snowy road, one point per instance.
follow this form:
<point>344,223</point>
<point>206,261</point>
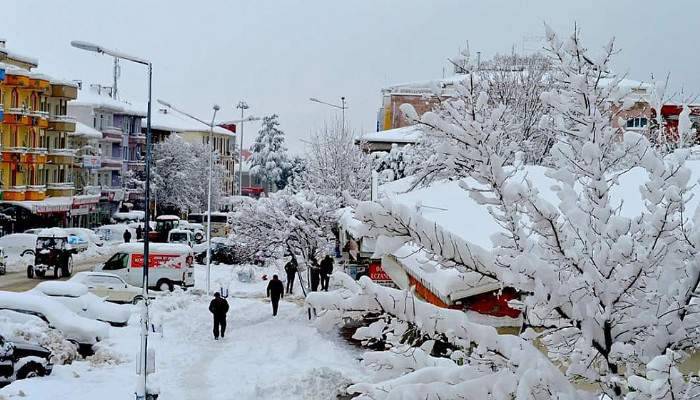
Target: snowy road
<point>18,281</point>
<point>261,357</point>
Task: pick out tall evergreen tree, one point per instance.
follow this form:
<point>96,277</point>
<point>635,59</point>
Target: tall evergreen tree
<point>269,153</point>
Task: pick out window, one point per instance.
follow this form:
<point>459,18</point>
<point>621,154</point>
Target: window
<point>112,281</point>
<point>118,261</point>
<point>637,122</point>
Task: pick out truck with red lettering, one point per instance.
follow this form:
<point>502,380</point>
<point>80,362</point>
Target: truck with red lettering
<point>169,265</point>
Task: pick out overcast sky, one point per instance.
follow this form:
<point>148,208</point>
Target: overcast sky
<point>277,54</point>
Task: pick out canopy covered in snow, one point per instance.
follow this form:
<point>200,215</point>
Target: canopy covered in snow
<point>96,98</point>
<point>404,135</point>
<point>84,131</point>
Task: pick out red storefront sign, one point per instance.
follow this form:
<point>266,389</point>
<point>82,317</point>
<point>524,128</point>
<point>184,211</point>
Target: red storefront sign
<point>376,273</point>
<point>156,260</point>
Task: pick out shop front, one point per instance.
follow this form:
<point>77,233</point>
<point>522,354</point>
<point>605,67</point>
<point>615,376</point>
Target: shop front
<point>84,212</point>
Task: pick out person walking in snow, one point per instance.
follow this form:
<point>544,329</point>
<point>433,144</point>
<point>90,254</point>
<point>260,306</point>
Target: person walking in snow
<point>275,291</point>
<point>139,233</point>
<point>127,236</point>
<point>219,307</point>
<point>291,269</point>
<point>326,271</point>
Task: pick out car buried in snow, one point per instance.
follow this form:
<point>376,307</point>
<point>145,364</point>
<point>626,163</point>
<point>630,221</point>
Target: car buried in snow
<point>82,331</point>
<point>22,360</point>
<point>78,299</point>
<point>110,287</point>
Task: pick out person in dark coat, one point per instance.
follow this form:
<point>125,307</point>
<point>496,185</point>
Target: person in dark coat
<point>219,307</point>
<point>139,233</point>
<point>326,271</point>
<point>315,278</point>
<point>291,269</point>
<point>275,291</point>
<point>127,236</point>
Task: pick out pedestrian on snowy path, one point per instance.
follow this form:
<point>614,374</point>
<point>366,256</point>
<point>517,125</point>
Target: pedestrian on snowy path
<point>326,271</point>
<point>275,291</point>
<point>291,269</point>
<point>139,233</point>
<point>127,236</point>
<point>219,307</point>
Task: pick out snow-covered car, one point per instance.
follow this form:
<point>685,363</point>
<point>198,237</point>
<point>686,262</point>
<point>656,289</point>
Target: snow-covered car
<point>197,230</point>
<point>114,233</point>
<point>108,286</point>
<point>84,331</point>
<point>22,360</point>
<point>23,327</point>
<point>78,299</point>
<point>16,245</point>
<point>3,262</point>
<point>182,236</point>
<point>128,216</point>
<point>34,231</point>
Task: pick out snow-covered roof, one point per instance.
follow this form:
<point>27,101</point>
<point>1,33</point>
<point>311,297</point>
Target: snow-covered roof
<point>448,284</point>
<point>50,204</point>
<point>172,122</point>
<point>19,57</point>
<point>163,248</point>
<point>406,134</point>
<point>85,131</point>
<point>426,86</point>
<point>94,97</point>
<point>451,207</point>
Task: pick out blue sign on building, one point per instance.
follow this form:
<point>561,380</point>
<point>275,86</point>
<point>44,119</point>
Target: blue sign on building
<point>2,78</point>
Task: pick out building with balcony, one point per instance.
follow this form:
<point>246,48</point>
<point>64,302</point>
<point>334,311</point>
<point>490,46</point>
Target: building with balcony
<point>121,147</point>
<point>165,123</point>
<point>37,165</point>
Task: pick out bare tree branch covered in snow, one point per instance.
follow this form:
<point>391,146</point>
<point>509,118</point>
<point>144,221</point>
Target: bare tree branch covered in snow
<point>335,166</point>
<point>611,295</point>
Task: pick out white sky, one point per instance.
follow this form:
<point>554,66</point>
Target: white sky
<point>277,54</point>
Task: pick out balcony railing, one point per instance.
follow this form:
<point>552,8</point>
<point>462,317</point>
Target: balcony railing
<point>60,185</point>
<point>63,123</point>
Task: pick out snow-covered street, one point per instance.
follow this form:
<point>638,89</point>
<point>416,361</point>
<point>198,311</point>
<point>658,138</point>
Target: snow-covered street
<point>261,357</point>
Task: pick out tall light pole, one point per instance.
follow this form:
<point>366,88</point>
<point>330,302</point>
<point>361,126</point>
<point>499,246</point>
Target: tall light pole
<point>211,126</point>
<point>142,387</point>
<point>342,107</point>
<point>243,106</point>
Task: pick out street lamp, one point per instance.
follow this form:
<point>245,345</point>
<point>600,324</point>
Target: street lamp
<point>243,106</point>
<point>211,126</point>
<point>342,107</point>
<point>141,390</point>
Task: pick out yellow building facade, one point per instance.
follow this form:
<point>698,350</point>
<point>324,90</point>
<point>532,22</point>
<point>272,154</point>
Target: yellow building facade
<point>36,162</point>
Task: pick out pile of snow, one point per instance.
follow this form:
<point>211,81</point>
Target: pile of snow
<point>114,233</point>
<point>58,288</point>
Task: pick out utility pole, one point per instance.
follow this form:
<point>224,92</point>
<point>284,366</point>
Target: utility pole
<point>116,77</point>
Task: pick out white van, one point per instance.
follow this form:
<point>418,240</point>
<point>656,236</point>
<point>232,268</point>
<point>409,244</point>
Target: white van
<point>169,265</point>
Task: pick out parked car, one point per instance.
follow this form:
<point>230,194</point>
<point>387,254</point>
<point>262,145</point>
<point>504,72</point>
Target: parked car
<point>3,262</point>
<point>169,265</point>
<point>21,360</point>
<point>108,286</point>
<point>17,244</point>
<point>197,230</point>
<point>221,252</point>
<point>83,331</point>
<point>78,299</point>
<point>54,254</point>
<point>182,236</point>
<point>34,231</point>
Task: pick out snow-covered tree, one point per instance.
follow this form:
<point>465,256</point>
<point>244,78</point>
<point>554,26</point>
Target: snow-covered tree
<point>609,294</point>
<point>285,223</point>
<point>397,163</point>
<point>180,175</point>
<point>269,153</point>
<point>336,166</point>
<point>293,171</point>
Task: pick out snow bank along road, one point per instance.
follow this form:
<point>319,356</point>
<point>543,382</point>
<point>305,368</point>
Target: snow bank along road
<point>262,357</point>
<point>18,281</point>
